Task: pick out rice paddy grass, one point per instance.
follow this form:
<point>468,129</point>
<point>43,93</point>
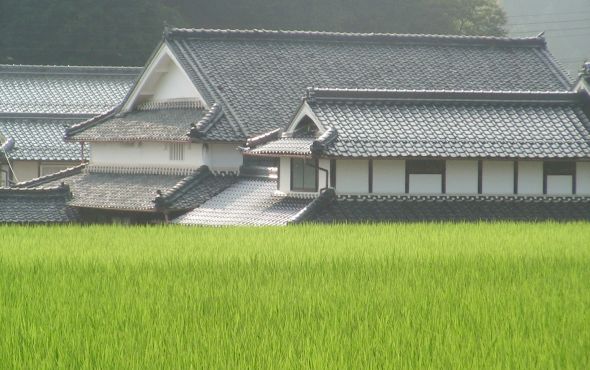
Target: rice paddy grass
<point>502,295</point>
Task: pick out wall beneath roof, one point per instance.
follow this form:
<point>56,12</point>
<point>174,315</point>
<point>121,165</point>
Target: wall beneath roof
<point>583,178</point>
<point>25,170</point>
<point>498,177</point>
<point>462,177</point>
<point>224,157</point>
<point>530,177</point>
<point>352,176</point>
<point>152,154</point>
<point>389,176</point>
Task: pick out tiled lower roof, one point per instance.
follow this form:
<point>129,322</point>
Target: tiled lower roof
<point>451,208</point>
<point>249,202</point>
<point>159,124</point>
<point>285,146</point>
<point>138,192</point>
<point>40,138</point>
<point>45,205</point>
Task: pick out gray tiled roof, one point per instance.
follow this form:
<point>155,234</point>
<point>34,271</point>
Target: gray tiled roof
<point>160,124</point>
<point>448,124</point>
<point>257,75</point>
<point>136,192</point>
<point>451,208</point>
<point>36,205</point>
<point>39,138</point>
<point>249,202</point>
<point>63,89</point>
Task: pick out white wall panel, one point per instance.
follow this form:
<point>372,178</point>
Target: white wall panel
<point>530,177</point>
<point>352,176</point>
<point>559,184</point>
<point>25,170</point>
<point>144,154</point>
<point>583,178</point>
<point>224,157</point>
<point>461,177</point>
<point>498,177</point>
<point>425,184</point>
<point>285,175</point>
<point>389,176</point>
<point>324,177</point>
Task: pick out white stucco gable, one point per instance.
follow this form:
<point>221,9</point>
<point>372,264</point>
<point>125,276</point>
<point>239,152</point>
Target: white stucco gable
<point>303,112</point>
<point>163,80</point>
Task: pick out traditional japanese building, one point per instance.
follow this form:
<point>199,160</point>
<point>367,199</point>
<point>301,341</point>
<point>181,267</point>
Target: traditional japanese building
<point>172,145</point>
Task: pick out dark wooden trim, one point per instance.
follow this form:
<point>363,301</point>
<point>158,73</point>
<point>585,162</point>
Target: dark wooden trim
<point>407,190</point>
<point>332,173</point>
<point>317,174</point>
<point>544,179</point>
<point>515,177</point>
<point>480,177</point>
<point>574,175</point>
<point>279,174</point>
<point>370,176</point>
<point>291,174</point>
<point>443,177</point>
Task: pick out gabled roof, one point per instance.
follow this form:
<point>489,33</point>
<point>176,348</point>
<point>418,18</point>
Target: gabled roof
<point>39,138</point>
<point>256,75</point>
<point>140,190</point>
<point>63,89</point>
<point>44,205</point>
<point>449,124</point>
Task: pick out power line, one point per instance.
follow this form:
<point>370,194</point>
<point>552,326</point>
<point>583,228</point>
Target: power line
<point>556,29</point>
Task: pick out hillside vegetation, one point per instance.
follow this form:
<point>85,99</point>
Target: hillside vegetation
<point>399,296</point>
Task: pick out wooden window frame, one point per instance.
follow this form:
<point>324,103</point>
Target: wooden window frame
<point>315,166</point>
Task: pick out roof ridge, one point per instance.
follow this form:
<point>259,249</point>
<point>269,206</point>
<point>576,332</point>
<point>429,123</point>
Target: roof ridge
<point>537,41</point>
<point>167,197</point>
<point>51,177</point>
<point>199,129</point>
<point>73,116</point>
<point>58,190</point>
<point>69,70</point>
<point>343,94</point>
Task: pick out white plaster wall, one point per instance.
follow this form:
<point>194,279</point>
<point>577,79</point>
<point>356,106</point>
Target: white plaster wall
<point>389,176</point>
<point>144,154</point>
<point>224,157</point>
<point>559,185</point>
<point>4,175</point>
<point>25,170</point>
<point>530,177</point>
<point>498,177</point>
<point>285,175</point>
<point>352,176</point>
<point>425,184</point>
<point>324,177</point>
<point>583,178</point>
<point>461,177</point>
<point>174,84</point>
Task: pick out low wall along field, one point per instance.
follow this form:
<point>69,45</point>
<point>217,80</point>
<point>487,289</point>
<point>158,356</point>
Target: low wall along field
<point>402,296</point>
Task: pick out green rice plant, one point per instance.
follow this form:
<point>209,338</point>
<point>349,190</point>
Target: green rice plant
<point>489,295</point>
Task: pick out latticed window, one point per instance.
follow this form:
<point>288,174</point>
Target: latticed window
<point>176,151</point>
